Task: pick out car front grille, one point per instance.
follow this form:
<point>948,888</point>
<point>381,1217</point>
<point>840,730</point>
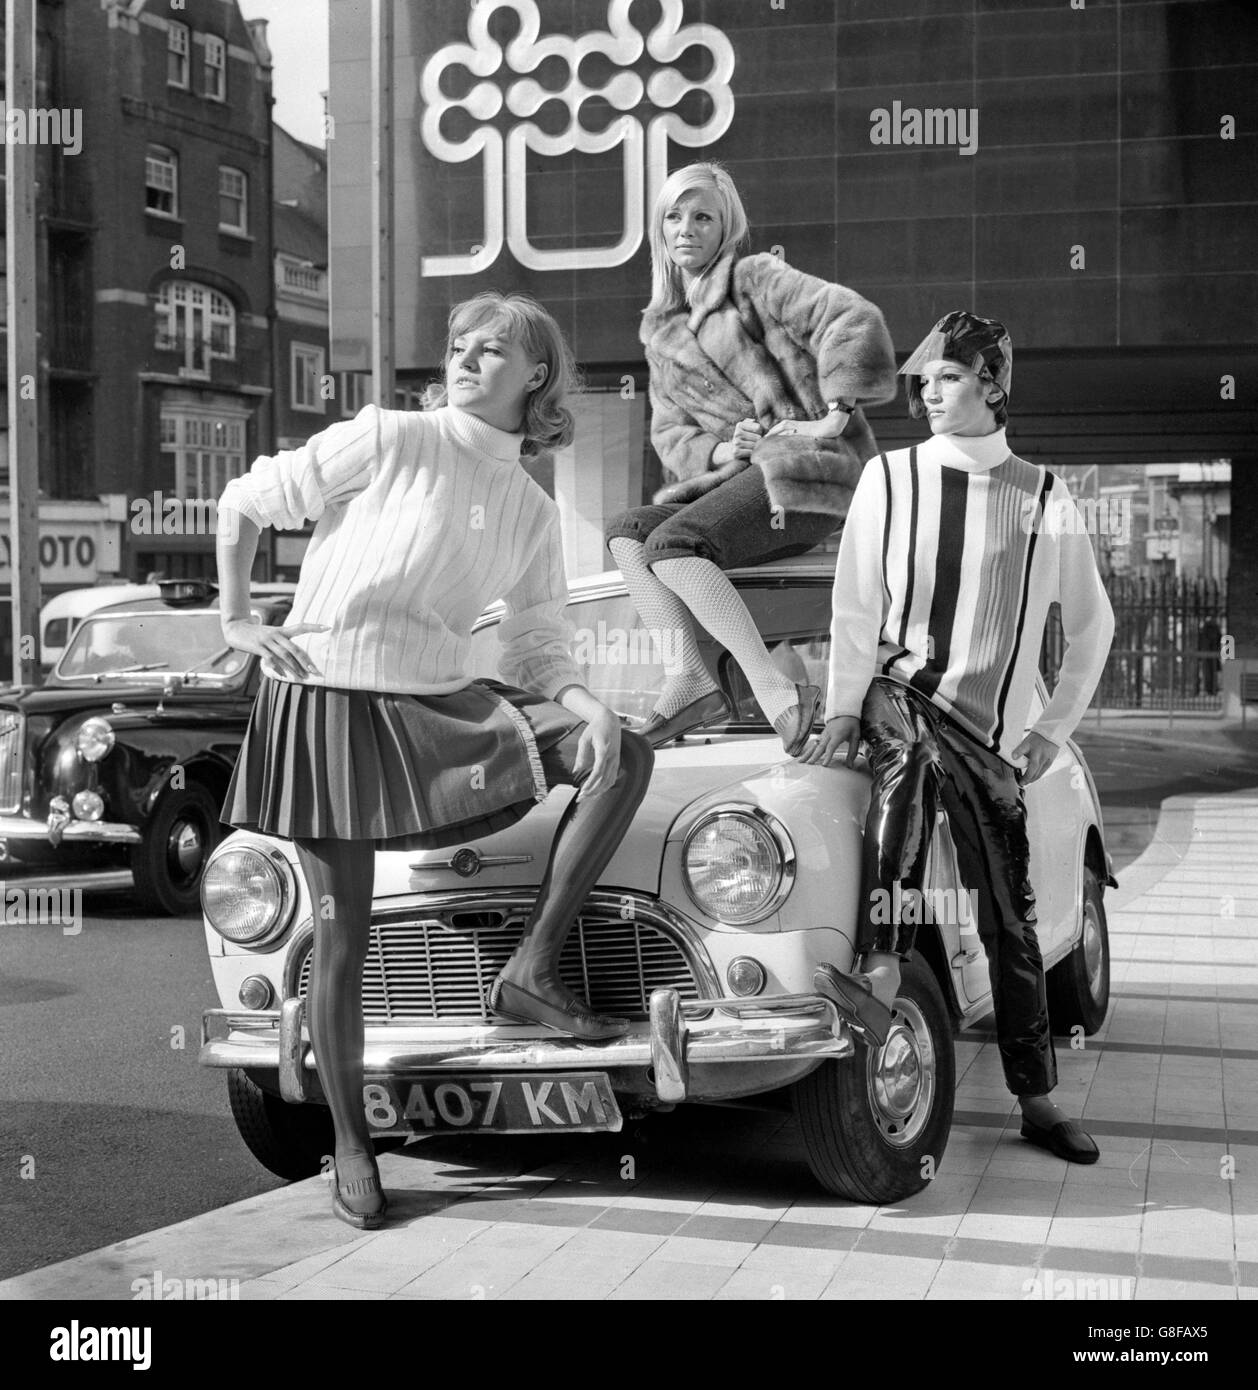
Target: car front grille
<point>12,744</point>
<point>441,965</point>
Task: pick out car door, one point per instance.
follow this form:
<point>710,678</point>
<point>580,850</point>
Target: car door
<point>1053,831</point>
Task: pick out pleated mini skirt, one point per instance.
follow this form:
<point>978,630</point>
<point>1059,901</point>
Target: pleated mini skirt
<point>403,771</point>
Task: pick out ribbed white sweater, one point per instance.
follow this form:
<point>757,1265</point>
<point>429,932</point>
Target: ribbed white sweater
<point>951,555</point>
<point>422,518</point>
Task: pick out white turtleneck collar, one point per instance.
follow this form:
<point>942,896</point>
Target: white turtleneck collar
<point>972,453</point>
<point>487,439</point>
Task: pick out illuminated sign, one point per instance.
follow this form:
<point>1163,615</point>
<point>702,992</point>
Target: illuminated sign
<point>505,160</point>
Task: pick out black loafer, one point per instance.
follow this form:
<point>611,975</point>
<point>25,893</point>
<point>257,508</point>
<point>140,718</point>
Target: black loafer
<point>1067,1139</point>
<point>712,708</point>
<point>795,724</point>
<point>571,1017</point>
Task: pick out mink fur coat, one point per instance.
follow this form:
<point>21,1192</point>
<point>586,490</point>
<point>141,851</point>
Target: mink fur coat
<point>764,341</point>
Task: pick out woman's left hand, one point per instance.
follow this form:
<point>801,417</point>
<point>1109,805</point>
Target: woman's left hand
<point>828,427</point>
<point>599,751</point>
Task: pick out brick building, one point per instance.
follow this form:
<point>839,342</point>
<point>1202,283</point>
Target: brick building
<point>155,298</point>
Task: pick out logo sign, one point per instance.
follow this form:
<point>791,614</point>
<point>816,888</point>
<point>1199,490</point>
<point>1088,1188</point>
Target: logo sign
<point>501,82</point>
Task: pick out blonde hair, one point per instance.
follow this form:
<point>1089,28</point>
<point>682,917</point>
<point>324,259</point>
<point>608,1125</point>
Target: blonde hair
<point>548,423</point>
<point>667,291</point>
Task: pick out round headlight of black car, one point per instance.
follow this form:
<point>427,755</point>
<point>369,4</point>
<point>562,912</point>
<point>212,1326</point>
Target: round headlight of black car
<point>94,739</point>
<point>738,864</point>
<point>248,894</point>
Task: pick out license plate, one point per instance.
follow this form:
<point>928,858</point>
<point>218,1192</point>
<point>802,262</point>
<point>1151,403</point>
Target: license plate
<point>581,1102</point>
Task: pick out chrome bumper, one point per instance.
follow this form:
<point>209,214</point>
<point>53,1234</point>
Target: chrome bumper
<point>94,831</point>
<point>680,1034</point>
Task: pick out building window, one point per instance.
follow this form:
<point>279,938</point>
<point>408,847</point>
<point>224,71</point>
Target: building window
<point>307,364</point>
<point>177,54</point>
<point>205,449</point>
<point>233,199</point>
<point>215,68</point>
<point>197,322</point>
<point>161,181</point>
<point>355,392</point>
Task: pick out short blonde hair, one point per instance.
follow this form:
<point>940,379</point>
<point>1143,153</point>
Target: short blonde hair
<point>548,423</point>
<point>666,284</point>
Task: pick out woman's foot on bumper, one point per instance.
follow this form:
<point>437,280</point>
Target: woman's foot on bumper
<point>556,1007</point>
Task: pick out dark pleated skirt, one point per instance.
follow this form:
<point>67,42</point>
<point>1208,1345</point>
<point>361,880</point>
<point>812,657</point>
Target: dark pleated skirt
<point>406,772</point>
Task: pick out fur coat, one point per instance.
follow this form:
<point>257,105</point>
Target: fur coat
<point>763,341</point>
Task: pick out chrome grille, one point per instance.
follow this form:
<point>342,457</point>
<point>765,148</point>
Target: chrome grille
<point>442,966</point>
<point>12,741</point>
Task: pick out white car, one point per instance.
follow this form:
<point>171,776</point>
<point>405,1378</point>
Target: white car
<point>739,875</point>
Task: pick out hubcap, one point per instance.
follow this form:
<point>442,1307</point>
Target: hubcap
<point>901,1077</point>
<point>1093,950</point>
<point>187,848</point>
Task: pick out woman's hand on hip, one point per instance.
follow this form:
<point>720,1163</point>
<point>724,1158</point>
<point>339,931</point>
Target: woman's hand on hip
<point>274,642</point>
<point>843,728</point>
<point>598,751</point>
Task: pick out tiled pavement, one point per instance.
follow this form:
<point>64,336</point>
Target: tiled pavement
<point>719,1204</point>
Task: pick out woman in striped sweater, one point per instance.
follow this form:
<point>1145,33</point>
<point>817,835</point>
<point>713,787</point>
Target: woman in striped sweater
<point>953,552</point>
<point>368,732</point>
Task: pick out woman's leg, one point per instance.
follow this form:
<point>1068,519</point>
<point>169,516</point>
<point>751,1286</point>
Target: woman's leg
<point>340,875</point>
<point>589,833</point>
<point>661,610</point>
<point>709,595</point>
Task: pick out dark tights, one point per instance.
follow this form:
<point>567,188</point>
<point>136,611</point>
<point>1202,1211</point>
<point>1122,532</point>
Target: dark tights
<point>340,875</point>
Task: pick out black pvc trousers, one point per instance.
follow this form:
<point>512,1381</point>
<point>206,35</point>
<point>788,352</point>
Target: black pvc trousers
<point>922,763</point>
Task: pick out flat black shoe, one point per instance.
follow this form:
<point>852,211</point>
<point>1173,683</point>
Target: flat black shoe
<point>359,1187</point>
<point>856,1001</point>
<point>795,724</point>
<point>523,1006</point>
<point>712,708</point>
<point>1067,1139</point>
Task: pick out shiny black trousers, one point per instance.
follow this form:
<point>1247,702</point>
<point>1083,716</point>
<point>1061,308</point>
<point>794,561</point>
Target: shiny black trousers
<point>924,763</point>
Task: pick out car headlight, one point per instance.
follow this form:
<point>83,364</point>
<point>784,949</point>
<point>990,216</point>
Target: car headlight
<point>248,894</point>
<point>738,864</point>
<point>94,739</point>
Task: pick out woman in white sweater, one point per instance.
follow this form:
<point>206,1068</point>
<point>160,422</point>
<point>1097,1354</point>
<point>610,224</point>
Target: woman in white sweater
<point>369,733</point>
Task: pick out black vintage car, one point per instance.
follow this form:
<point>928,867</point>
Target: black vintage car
<point>121,758</point>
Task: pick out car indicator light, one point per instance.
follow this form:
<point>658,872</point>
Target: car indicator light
<point>88,805</point>
<point>745,976</point>
<point>256,992</point>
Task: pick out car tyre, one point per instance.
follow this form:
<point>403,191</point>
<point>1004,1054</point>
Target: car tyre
<point>168,863</point>
<point>1078,987</point>
<point>875,1125</point>
<point>291,1140</point>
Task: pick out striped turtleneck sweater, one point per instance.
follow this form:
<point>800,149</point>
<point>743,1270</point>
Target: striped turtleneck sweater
<point>951,554</point>
<point>421,519</point>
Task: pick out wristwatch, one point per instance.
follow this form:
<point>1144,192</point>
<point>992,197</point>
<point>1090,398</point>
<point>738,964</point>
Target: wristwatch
<point>845,406</point>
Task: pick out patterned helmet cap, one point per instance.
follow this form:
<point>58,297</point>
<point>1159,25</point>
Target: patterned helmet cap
<point>982,345</point>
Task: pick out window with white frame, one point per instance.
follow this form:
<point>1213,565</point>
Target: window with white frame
<point>196,321</point>
<point>307,369</point>
<point>161,181</point>
<point>355,392</point>
<point>204,448</point>
<point>177,49</point>
<point>233,200</point>
<point>215,68</point>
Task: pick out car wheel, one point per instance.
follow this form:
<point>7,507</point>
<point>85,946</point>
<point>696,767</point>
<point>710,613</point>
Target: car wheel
<point>871,1122</point>
<point>167,865</point>
<point>1078,987</point>
<point>291,1140</point>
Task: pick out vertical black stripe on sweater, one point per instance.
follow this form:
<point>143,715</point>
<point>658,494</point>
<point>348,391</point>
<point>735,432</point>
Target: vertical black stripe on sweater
<point>1045,489</point>
<point>886,527</point>
<point>911,565</point>
<point>954,492</point>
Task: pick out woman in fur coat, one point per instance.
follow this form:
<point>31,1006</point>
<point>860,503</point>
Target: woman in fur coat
<point>757,374</point>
